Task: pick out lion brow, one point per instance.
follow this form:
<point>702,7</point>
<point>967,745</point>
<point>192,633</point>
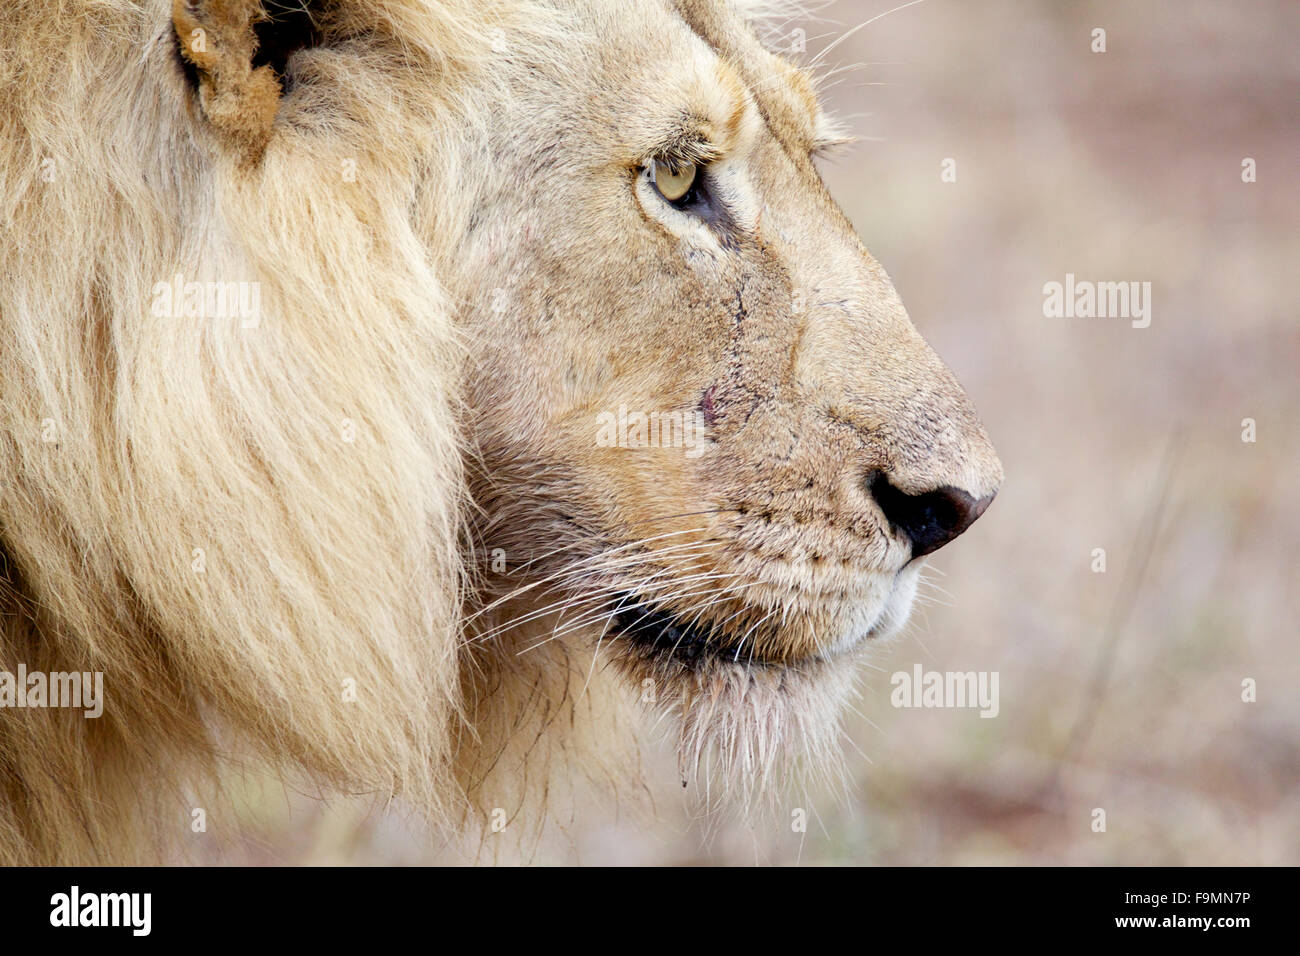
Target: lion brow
<point>688,144</point>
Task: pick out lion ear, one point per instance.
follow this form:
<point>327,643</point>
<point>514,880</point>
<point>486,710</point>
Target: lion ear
<point>235,52</point>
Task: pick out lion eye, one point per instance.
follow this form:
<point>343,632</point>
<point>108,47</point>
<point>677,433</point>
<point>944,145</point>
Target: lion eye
<point>673,184</point>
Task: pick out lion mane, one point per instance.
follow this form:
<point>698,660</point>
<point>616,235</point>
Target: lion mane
<point>251,525</point>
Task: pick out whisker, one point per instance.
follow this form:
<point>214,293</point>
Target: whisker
<point>568,574</point>
<point>593,616</point>
<point>827,49</point>
<point>593,557</point>
<point>753,627</point>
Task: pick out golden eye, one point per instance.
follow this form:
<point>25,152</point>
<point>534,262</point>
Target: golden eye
<point>673,184</point>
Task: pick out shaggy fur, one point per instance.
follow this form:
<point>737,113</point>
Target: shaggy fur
<point>273,533</point>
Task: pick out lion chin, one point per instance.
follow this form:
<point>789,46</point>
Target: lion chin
<point>399,404</point>
<point>748,692</point>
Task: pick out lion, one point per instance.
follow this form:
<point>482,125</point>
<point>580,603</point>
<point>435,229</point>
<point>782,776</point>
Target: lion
<point>424,398</point>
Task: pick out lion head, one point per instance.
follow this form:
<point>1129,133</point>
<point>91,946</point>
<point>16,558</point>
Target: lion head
<point>711,440</point>
<point>390,387</point>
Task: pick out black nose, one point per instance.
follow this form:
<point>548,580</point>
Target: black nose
<point>931,519</point>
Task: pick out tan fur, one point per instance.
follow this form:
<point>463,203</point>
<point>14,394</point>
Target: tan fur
<point>458,268</point>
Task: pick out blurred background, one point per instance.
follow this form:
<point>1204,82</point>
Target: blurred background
<point>1119,690</point>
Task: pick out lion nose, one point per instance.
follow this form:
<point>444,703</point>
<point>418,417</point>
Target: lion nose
<point>931,519</point>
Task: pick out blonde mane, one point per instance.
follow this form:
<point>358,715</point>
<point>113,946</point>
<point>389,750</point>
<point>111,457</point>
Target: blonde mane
<point>251,527</point>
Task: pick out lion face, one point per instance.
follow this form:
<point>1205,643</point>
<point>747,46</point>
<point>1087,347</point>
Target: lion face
<point>708,430</point>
